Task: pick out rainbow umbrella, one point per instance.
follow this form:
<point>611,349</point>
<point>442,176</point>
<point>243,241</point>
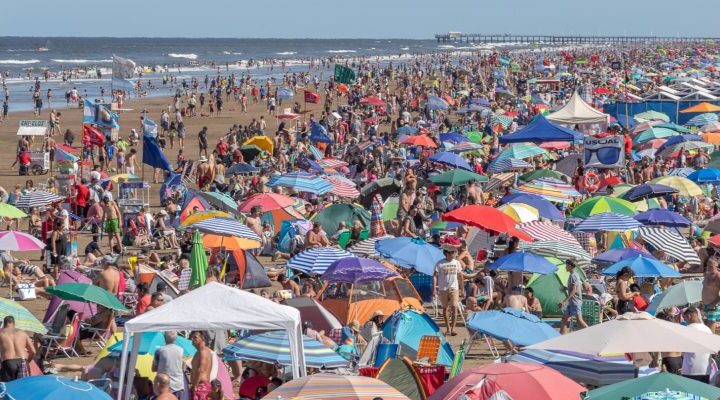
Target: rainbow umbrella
<point>550,189</point>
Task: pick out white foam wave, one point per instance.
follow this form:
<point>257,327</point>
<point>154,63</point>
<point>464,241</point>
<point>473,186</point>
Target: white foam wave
<point>405,48</point>
<point>19,62</point>
<point>79,61</point>
<point>286,53</point>
<point>189,56</point>
<point>342,51</point>
<point>19,50</point>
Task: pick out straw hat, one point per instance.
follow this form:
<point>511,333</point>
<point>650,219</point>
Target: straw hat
<point>354,326</point>
<point>377,313</point>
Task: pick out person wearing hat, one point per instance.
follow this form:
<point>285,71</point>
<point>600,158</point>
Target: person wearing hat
<point>372,328</point>
<point>447,281</point>
<point>161,288</point>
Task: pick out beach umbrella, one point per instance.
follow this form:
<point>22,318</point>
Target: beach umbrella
<point>675,140</point>
<point>467,146</point>
<point>340,387</point>
<point>544,173</point>
<point>608,222</point>
<point>385,187</point>
<point>407,130</point>
<point>228,227</point>
<point>357,270</point>
<point>301,182</point>
<point>626,121</point>
<point>475,137</point>
<point>373,101</point>
<point>603,204</point>
<point>24,319</point>
<point>198,262</point>
<point>543,230</point>
<point>555,145</point>
<point>408,252</point>
<point>333,163</point>
<point>451,159</point>
<point>673,151</point>
<point>10,211</point>
<point>19,241</point>
<point>366,248</point>
<point>522,150</point>
<point>37,199</point>
<point>615,255</point>
<point>561,250</point>
<point>703,107</point>
<point>503,120</point>
<point>711,137</point>
<point>675,127</point>
<point>51,387</point>
<point>634,333</point>
<point>545,208</point>
<point>453,137</point>
<point>702,119</point>
<point>705,176</point>
<point>684,186</point>
<point>87,293</point>
<point>681,172</point>
<point>342,189</point>
<point>267,201</point>
<point>486,218</point>
<point>315,260</point>
<point>203,215</point>
<point>685,293</point>
<point>643,267</point>
<point>653,115</point>
<point>549,189</point>
<point>249,152</point>
<point>420,140</point>
<point>508,164</point>
<point>330,217</point>
<point>151,341</point>
<point>670,241</point>
<point>436,103</point>
<point>274,348</point>
<point>653,133</point>
<point>220,201</point>
<point>390,208</point>
<point>498,181</point>
<point>647,191</point>
<point>520,381</point>
<point>264,143</point>
<point>521,328</point>
<point>661,216</point>
<point>456,177</point>
<point>661,386</point>
<point>524,262</point>
<point>520,212</point>
<point>377,224</point>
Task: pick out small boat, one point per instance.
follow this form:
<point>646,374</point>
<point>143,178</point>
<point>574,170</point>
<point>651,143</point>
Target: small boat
<point>42,49</point>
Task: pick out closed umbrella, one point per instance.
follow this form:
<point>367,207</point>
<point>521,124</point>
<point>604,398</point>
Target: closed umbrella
<point>51,387</point>
<point>24,319</point>
<point>357,270</point>
<point>603,204</point>
<point>457,177</point>
<point>664,217</point>
<point>608,222</point>
<point>643,267</point>
<point>410,253</point>
<point>316,260</point>
<point>521,328</point>
<point>274,348</point>
<point>524,262</point>
<point>198,261</point>
<point>680,295</point>
<point>87,293</point>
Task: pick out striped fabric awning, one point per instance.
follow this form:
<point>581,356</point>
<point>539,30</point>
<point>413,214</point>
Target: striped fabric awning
<point>498,180</point>
<point>508,164</point>
<point>366,248</point>
<point>342,189</point>
<point>332,163</point>
<point>670,241</point>
<point>37,198</point>
<point>315,261</point>
<point>226,227</point>
<point>557,249</point>
<point>550,189</point>
<point>608,222</point>
<point>274,347</point>
<point>541,230</point>
<point>301,182</point>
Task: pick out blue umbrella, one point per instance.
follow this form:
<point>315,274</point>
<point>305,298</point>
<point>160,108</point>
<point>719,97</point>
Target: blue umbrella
<point>520,328</point>
<point>410,253</point>
<point>357,270</point>
<point>274,348</point>
<point>316,260</point>
<point>626,121</point>
<point>524,262</point>
<point>647,191</point>
<point>705,175</point>
<point>643,267</point>
<point>436,103</point>
<point>453,137</point>
<point>608,222</point>
<point>407,130</point>
<point>285,93</point>
<point>661,216</point>
<point>546,208</point>
<point>241,168</point>
<point>302,182</point>
<point>452,159</point>
<point>318,133</point>
<point>615,255</point>
<point>151,341</point>
<point>51,387</point>
<point>508,164</point>
<point>702,119</point>
<point>670,143</point>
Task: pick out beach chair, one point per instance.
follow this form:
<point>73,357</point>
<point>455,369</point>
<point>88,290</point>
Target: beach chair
<point>58,344</point>
<point>57,322</point>
<point>344,239</point>
<point>364,235</point>
<point>456,368</point>
<point>428,349</point>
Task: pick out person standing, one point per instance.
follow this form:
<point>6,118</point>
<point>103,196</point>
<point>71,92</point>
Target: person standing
<point>168,360</point>
<point>203,141</point>
<point>16,350</point>
<point>696,365</point>
<point>572,305</point>
<point>111,221</point>
<point>201,366</point>
<point>711,292</point>
<point>447,281</point>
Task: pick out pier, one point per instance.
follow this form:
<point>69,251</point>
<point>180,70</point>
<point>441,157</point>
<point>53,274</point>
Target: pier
<point>457,37</point>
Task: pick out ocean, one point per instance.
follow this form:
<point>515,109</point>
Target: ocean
<point>24,58</point>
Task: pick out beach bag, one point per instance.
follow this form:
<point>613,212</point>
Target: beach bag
<point>26,291</point>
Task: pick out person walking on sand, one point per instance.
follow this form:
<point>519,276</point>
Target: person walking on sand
<point>111,221</point>
<point>201,366</point>
<point>203,142</point>
<point>447,281</point>
<point>572,305</point>
<point>711,292</point>
<point>16,350</point>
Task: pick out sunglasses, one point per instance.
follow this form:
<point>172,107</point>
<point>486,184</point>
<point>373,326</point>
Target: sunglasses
<point>605,155</point>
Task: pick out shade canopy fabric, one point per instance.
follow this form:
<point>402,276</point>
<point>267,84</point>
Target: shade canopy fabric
<point>643,267</point>
<point>656,382</point>
<point>274,347</point>
<point>577,111</point>
<point>669,240</point>
<point>519,327</point>
<point>317,260</point>
<point>541,130</point>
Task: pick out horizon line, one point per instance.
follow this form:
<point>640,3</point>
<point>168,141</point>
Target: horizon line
<point>433,37</point>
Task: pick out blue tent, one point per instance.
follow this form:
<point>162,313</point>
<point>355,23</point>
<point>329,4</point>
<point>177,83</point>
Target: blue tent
<point>541,130</point>
<point>407,327</point>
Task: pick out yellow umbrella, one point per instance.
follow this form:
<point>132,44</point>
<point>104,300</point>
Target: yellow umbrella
<point>203,215</point>
<point>520,212</point>
<point>262,142</point>
<point>124,177</point>
<point>684,186</point>
<point>229,242</point>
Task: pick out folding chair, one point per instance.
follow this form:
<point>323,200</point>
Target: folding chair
<point>364,234</point>
<point>344,239</point>
<point>428,349</point>
<point>57,322</point>
<point>63,344</point>
<point>591,312</point>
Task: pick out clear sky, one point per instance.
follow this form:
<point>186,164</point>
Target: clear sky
<point>411,19</point>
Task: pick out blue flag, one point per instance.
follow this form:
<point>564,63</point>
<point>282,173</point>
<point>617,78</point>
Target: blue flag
<point>152,154</point>
<point>122,84</point>
<point>285,93</point>
<point>318,133</point>
<point>98,114</point>
<point>149,128</point>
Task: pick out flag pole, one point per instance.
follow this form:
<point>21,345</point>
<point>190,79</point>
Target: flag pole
<point>144,115</point>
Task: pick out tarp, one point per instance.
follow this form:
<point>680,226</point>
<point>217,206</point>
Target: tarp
<point>541,130</point>
<point>400,374</point>
<point>577,111</point>
<point>406,328</point>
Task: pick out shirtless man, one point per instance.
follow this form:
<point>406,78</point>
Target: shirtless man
<point>516,300</point>
<point>111,221</point>
<point>161,388</point>
<point>203,170</point>
<point>407,198</point>
<point>108,278</point>
<point>253,220</point>
<point>316,237</point>
<point>16,350</point>
<point>474,194</point>
<point>201,366</point>
<point>711,292</point>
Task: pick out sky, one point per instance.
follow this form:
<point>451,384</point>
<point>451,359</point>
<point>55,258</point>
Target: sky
<point>409,19</point>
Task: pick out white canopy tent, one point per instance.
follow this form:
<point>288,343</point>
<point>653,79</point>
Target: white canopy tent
<point>214,307</point>
<point>577,111</point>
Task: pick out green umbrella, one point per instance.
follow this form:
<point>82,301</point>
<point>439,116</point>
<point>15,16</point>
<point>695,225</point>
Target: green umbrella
<point>475,137</point>
<point>522,151</point>
<point>675,127</point>
<point>10,211</point>
<point>390,208</point>
<point>24,319</point>
<point>198,261</point>
<point>87,293</point>
<point>682,294</point>
<point>544,173</point>
<point>330,217</point>
<point>621,189</point>
<point>652,115</point>
<point>456,177</point>
<point>603,204</point>
<point>653,383</point>
<point>221,201</point>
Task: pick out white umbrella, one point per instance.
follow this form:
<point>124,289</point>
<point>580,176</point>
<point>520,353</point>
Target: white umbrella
<point>634,333</point>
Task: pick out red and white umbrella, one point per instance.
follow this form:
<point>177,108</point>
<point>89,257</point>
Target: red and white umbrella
<point>19,241</point>
<point>333,163</point>
<point>541,230</point>
<point>373,101</point>
<point>288,116</point>
<point>341,188</point>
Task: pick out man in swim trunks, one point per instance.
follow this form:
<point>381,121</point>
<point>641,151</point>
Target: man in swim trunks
<point>201,367</point>
<point>711,292</point>
<point>111,221</point>
<point>16,350</point>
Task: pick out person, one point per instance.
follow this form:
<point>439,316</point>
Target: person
<point>109,277</point>
<point>57,244</point>
<point>622,290</point>
<point>162,289</point>
<point>288,284</point>
<point>316,237</point>
<point>203,141</point>
<point>143,298</point>
<point>168,360</point>
<point>216,392</point>
<point>711,291</point>
<point>161,388</point>
<point>639,302</point>
<point>696,365</point>
<point>111,221</point>
<point>201,366</point>
<point>16,351</point>
<point>372,326</point>
<point>533,303</point>
<point>447,281</point>
<point>572,305</point>
<point>516,299</point>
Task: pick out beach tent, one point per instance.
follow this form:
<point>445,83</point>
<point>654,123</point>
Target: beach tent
<point>577,111</point>
<point>80,307</point>
<point>331,216</point>
<point>215,307</point>
<point>276,218</point>
<point>400,374</point>
<point>171,183</point>
<point>407,327</point>
<point>541,130</point>
<point>548,288</point>
<point>250,271</point>
<point>152,278</point>
<point>312,311</point>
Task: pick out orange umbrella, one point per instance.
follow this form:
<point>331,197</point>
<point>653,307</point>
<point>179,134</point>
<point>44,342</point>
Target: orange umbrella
<point>711,137</point>
<point>229,242</point>
<point>420,140</point>
<point>702,108</point>
<point>342,88</point>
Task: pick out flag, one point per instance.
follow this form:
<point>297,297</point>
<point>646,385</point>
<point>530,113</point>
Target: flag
<point>318,133</point>
<point>285,93</point>
<point>93,136</point>
<point>122,84</point>
<point>123,67</point>
<point>89,112</point>
<point>98,114</point>
<point>312,97</point>
<point>344,75</point>
<point>152,154</point>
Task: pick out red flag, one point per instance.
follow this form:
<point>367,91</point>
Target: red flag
<point>312,97</point>
<point>92,135</point>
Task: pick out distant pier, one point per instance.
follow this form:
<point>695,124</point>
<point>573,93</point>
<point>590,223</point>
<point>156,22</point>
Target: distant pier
<point>456,37</point>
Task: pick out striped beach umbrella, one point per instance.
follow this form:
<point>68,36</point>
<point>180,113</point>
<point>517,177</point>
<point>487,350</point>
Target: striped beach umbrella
<point>274,348</point>
<point>226,227</point>
<point>38,198</point>
<point>341,188</point>
<point>550,189</point>
<point>316,152</point>
<point>702,119</point>
<point>24,319</point>
<point>608,222</point>
<point>652,115</point>
<point>522,150</point>
<point>301,182</point>
<point>558,249</point>
<point>19,241</point>
<point>508,164</point>
<point>466,146</point>
<point>339,387</point>
<point>366,248</point>
<point>654,133</point>
<point>499,180</point>
<point>315,261</point>
<point>682,172</point>
<point>670,241</point>
<point>332,163</point>
<point>503,120</point>
<point>542,230</point>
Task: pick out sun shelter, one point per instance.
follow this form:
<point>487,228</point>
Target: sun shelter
<point>215,307</point>
<point>578,112</point>
<point>152,278</point>
<point>541,130</point>
<point>407,328</point>
<point>249,270</point>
